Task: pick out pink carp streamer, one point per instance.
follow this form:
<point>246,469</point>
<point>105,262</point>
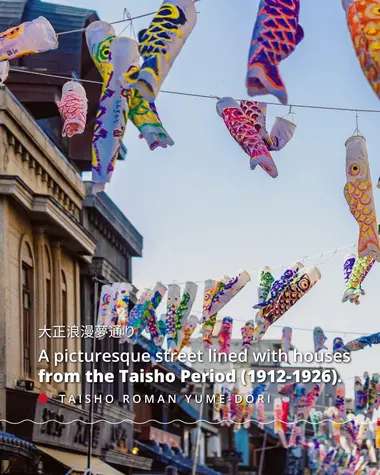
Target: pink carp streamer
<point>244,132</point>
<point>73,108</point>
<point>225,335</point>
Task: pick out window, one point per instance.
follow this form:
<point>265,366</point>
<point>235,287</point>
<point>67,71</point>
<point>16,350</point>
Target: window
<point>26,277</point>
<point>64,313</point>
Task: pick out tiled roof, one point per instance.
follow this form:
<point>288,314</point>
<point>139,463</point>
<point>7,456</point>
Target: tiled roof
<point>63,18</point>
<point>10,439</point>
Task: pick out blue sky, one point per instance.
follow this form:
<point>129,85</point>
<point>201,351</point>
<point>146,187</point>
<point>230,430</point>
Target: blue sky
<point>204,214</point>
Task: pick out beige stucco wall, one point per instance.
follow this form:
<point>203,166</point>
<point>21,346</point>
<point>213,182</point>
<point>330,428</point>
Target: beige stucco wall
<point>41,199</point>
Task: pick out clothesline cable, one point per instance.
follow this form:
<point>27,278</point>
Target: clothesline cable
<point>203,96</point>
<point>80,30</point>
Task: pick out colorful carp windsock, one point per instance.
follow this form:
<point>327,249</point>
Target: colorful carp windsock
<point>122,304</point>
<point>188,328</point>
<point>112,315</point>
<point>282,131</point>
<point>359,196</point>
<point>162,330</point>
<point>286,342</point>
<point>265,284</point>
<point>279,285</point>
<point>104,302</point>
<point>161,43</point>
<point>248,333</point>
<point>230,290</point>
<point>357,344</point>
<point>73,108</point>
<point>355,276</point>
<point>278,421</point>
<point>292,293</point>
<point>225,335</point>
<point>340,400</point>
<point>359,395</point>
<point>174,300</point>
<point>319,339</point>
<point>135,320</point>
<point>150,314</point>
<point>185,306</point>
<point>245,134</point>
<point>143,114</point>
<point>4,71</point>
<point>212,288</point>
<point>112,58</point>
<point>31,37</point>
<point>363,24</point>
<point>276,34</point>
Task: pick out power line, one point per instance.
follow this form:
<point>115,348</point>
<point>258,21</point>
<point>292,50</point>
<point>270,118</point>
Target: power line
<point>204,96</point>
<point>80,30</point>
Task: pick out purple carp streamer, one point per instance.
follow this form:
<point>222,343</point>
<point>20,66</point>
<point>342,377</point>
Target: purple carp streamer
<point>359,196</point>
<point>31,37</point>
<point>355,271</point>
<point>357,344</point>
<point>276,35</point>
<point>162,42</point>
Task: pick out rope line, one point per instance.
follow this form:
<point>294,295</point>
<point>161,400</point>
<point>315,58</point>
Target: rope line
<point>80,30</point>
<point>204,96</point>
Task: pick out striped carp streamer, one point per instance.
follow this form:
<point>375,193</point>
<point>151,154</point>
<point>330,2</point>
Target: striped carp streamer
<point>359,196</point>
<point>112,58</point>
<point>143,114</point>
<point>363,24</point>
<point>31,37</point>
<point>275,36</point>
<point>355,271</point>
<point>161,43</point>
<point>174,300</point>
<point>150,316</point>
<point>243,130</point>
<point>73,108</point>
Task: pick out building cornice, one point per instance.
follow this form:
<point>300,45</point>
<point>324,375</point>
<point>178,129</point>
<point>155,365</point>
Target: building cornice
<point>44,208</point>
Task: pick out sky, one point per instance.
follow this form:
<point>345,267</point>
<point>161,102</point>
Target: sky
<point>202,211</point>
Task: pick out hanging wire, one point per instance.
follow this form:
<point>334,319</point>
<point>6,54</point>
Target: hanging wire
<point>80,30</point>
<point>357,132</point>
<point>203,96</point>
